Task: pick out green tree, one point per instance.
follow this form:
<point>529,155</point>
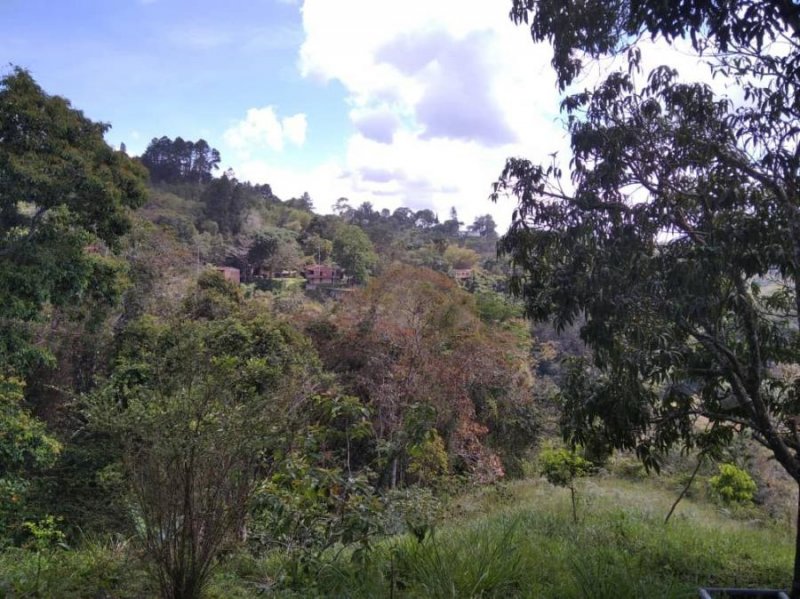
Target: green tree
<point>274,249</point>
<point>425,218</point>
<point>353,251</point>
<point>460,258</point>
<point>688,285</point>
<point>733,485</point>
<point>180,161</point>
<point>304,202</point>
<point>200,408</point>
<point>563,467</point>
<point>62,189</point>
<point>317,247</point>
<point>225,201</point>
<point>484,226</point>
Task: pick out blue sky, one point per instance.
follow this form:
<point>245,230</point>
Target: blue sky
<point>172,68</point>
<point>414,103</point>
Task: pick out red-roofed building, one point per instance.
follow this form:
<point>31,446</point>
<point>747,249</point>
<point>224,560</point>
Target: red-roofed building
<point>321,274</point>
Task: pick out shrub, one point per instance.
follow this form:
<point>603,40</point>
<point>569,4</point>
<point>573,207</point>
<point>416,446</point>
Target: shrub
<point>733,485</point>
<point>561,467</point>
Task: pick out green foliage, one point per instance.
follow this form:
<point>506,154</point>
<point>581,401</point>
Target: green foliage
<point>315,500</point>
<point>62,189</point>
<point>683,204</point>
<point>528,547</point>
<point>666,286</point>
<point>562,466</point>
<point>427,460</point>
<point>483,566</point>
<point>198,407</point>
<point>226,201</point>
<point>461,257</point>
<point>415,510</point>
<point>495,307</point>
<point>305,510</point>
<point>353,251</point>
<point>95,570</point>
<point>180,161</point>
<point>531,548</point>
<point>733,485</point>
<point>213,297</point>
<point>44,534</point>
<point>484,226</point>
<point>274,249</point>
<point>25,448</point>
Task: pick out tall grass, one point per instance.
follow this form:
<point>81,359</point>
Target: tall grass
<point>518,541</point>
<point>531,548</point>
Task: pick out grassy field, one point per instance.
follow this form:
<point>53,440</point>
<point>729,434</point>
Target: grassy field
<point>522,542</point>
<point>515,540</point>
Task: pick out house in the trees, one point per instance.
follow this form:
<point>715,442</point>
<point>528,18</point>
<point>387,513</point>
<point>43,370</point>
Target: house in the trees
<point>321,274</point>
<point>229,273</point>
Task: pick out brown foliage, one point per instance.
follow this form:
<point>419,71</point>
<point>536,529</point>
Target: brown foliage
<point>411,343</point>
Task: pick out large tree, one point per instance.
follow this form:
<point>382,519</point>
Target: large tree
<point>353,251</point>
<point>62,191</point>
<point>678,242</point>
<point>225,202</point>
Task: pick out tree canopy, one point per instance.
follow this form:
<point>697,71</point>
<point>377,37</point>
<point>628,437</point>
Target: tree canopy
<point>62,188</point>
<point>353,251</point>
<point>180,161</point>
<point>678,242</point>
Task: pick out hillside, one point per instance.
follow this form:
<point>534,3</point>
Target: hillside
<point>208,390</point>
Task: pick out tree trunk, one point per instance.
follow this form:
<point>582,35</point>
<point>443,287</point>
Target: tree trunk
<point>574,506</point>
<point>686,488</point>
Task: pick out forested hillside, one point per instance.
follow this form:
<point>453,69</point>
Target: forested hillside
<point>172,370</point>
<point>207,390</point>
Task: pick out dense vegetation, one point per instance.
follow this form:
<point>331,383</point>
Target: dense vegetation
<point>168,429</point>
<point>147,397</point>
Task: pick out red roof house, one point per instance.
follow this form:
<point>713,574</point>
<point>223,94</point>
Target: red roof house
<point>321,274</point>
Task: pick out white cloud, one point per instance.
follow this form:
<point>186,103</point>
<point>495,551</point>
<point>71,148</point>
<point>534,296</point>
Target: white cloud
<point>294,129</point>
<point>440,94</point>
<point>323,183</point>
<point>262,128</point>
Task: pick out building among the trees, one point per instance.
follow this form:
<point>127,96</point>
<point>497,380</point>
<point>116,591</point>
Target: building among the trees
<point>321,274</point>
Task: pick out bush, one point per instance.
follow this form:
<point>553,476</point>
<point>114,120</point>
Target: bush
<point>733,485</point>
<point>561,467</point>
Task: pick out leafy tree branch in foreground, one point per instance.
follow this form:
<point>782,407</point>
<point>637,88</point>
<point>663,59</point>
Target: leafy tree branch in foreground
<point>678,241</point>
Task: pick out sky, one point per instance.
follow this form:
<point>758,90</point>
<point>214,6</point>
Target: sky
<point>415,103</point>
